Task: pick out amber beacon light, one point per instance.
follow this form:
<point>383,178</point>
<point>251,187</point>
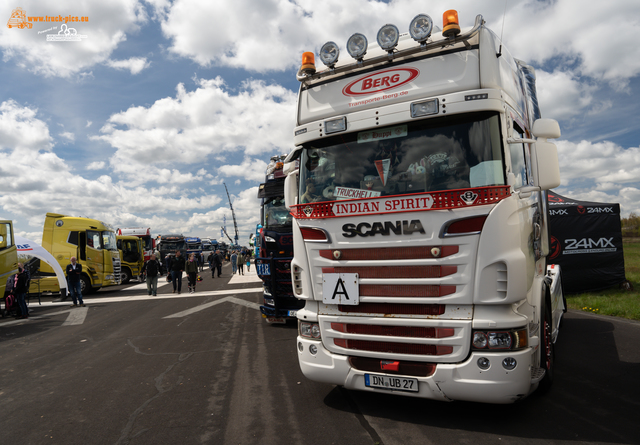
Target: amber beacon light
<point>450,23</point>
<point>308,63</point>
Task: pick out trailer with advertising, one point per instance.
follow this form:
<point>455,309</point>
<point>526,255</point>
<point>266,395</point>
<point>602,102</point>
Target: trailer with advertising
<point>132,257</point>
<point>420,211</point>
<point>275,248</point>
<point>92,242</point>
<point>144,233</point>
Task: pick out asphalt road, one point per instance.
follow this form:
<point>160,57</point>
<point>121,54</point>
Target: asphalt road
<point>205,368</point>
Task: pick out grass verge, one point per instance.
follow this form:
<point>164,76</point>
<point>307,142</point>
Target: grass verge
<point>615,301</point>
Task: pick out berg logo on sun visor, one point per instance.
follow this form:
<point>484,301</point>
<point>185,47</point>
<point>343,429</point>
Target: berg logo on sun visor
<point>381,81</point>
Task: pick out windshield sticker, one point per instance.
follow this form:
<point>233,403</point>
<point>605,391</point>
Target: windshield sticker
<point>399,131</point>
<point>349,193</point>
<point>383,169</point>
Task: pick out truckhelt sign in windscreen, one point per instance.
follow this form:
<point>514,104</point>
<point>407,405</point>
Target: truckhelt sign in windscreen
<point>586,241</point>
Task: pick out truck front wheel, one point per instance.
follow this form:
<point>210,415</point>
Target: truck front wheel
<point>125,275</point>
<point>85,285</point>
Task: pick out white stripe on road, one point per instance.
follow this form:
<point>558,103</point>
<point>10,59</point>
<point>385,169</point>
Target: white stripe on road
<point>202,307</point>
<point>76,316</point>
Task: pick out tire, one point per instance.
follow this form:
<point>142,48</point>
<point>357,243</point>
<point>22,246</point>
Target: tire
<point>547,350</point>
<point>85,285</point>
<point>125,276</point>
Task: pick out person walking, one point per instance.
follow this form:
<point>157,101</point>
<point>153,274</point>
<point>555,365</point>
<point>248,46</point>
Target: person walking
<point>234,261</point>
<point>247,259</point>
<point>177,267</point>
<point>217,264</point>
<point>152,270</point>
<point>20,289</point>
<point>240,263</point>
<point>74,274</point>
<point>192,272</point>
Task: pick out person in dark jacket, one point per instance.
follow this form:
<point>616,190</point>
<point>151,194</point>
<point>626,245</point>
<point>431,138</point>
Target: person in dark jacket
<point>74,274</point>
<point>217,263</point>
<point>192,271</point>
<point>152,269</point>
<point>177,267</point>
<point>20,289</point>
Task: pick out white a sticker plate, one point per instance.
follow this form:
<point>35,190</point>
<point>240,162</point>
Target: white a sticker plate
<point>340,288</point>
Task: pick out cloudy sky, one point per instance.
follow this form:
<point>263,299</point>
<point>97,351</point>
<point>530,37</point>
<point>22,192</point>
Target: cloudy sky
<point>160,103</point>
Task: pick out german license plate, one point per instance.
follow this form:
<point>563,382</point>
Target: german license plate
<point>292,313</point>
<point>390,382</point>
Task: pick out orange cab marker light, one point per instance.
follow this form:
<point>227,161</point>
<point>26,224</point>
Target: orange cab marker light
<point>450,23</point>
<point>308,63</point>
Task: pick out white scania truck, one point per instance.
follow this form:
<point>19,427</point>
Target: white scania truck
<point>420,217</point>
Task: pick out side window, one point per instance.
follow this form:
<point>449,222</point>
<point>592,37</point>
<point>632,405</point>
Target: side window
<point>73,238</point>
<point>5,236</point>
<point>520,159</point>
<point>93,239</point>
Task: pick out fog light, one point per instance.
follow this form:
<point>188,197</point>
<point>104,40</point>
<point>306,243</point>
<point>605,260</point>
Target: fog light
<point>479,340</point>
<point>335,125</point>
<point>300,347</point>
<point>425,108</point>
<point>484,363</point>
<point>269,302</point>
<point>313,349</point>
<point>509,363</point>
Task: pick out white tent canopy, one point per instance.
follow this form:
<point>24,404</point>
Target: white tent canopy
<point>28,247</point>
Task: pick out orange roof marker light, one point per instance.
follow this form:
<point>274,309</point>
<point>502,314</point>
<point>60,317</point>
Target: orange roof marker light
<point>450,23</point>
<point>308,64</point>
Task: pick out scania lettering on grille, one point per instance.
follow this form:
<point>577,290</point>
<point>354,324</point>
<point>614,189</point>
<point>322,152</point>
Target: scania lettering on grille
<point>383,228</point>
<point>380,81</point>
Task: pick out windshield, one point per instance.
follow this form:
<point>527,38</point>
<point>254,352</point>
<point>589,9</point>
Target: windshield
<point>172,246</point>
<point>275,213</point>
<point>436,154</point>
<point>109,240</point>
<point>146,242</point>
<point>191,246</point>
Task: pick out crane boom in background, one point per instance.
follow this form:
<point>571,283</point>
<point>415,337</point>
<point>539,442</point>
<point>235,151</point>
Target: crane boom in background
<point>235,224</point>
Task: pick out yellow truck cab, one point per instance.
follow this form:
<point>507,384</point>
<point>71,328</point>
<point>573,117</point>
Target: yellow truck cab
<point>8,254</point>
<point>92,242</point>
<point>131,256</point>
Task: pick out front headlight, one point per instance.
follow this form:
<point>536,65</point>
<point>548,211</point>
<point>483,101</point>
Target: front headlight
<point>512,339</point>
<point>309,330</point>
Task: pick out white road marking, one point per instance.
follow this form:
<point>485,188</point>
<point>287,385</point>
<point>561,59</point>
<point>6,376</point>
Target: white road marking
<point>202,307</point>
<point>76,316</point>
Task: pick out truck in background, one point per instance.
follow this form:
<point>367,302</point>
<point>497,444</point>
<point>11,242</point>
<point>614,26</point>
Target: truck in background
<point>8,254</point>
<point>169,244</point>
<point>132,257</point>
<point>420,217</point>
<point>144,233</point>
<point>275,248</point>
<point>194,245</point>
<point>92,242</point>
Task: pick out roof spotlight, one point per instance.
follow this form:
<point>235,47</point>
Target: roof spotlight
<point>357,46</point>
<point>329,54</point>
<point>388,37</point>
<point>420,28</point>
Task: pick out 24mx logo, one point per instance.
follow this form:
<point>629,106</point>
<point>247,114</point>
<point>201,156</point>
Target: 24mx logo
<point>558,212</point>
<point>599,209</point>
<point>588,243</point>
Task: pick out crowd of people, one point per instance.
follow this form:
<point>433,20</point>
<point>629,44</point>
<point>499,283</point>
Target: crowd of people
<point>17,286</point>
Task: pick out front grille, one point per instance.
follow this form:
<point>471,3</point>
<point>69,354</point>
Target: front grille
<point>392,347</point>
<point>395,271</point>
<point>399,290</point>
<point>391,308</point>
<point>393,331</point>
